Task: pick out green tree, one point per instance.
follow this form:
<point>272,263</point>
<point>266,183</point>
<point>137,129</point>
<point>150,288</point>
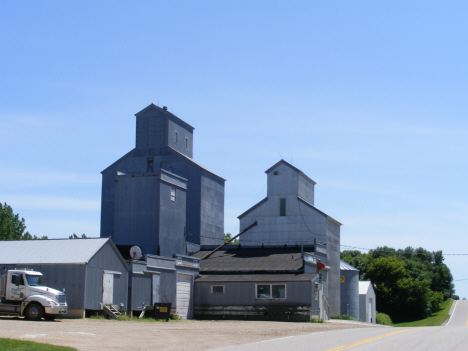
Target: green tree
<point>12,227</point>
<point>227,237</point>
<point>410,284</point>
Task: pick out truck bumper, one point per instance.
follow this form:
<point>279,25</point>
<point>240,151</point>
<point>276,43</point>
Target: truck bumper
<point>56,310</point>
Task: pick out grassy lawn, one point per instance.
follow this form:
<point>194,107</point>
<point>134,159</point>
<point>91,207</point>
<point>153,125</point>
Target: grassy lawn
<point>20,345</point>
<point>437,319</point>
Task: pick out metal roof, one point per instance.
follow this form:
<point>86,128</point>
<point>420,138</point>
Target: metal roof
<point>264,278</point>
<point>53,251</point>
<point>347,267</point>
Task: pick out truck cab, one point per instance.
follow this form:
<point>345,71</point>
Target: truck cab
<point>22,293</point>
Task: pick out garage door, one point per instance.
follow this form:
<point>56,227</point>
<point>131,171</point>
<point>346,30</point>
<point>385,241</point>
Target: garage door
<point>184,296</point>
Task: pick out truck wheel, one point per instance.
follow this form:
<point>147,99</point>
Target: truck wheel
<point>34,312</point>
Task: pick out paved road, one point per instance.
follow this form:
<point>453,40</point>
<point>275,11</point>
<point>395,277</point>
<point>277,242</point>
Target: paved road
<point>453,336</point>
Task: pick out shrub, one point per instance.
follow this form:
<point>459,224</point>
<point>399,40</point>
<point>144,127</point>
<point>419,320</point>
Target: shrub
<point>315,320</point>
<point>384,319</point>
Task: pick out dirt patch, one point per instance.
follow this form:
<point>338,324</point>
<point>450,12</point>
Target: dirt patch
<point>88,334</point>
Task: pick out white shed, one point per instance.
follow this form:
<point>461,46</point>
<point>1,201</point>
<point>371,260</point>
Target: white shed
<point>367,312</point>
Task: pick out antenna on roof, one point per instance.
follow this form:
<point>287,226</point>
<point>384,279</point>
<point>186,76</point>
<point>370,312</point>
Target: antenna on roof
<point>280,155</point>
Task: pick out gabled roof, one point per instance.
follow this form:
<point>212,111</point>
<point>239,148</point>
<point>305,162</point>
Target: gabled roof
<point>253,207</point>
<point>52,251</point>
<point>344,266</point>
<point>315,208</point>
<point>290,166</point>
<point>169,114</point>
<point>252,260</point>
<point>191,160</point>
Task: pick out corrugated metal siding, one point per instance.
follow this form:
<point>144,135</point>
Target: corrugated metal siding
<point>350,293</point>
<point>155,135</point>
<point>171,221</point>
<point>106,259</point>
<point>137,211</point>
<point>333,253</point>
<point>244,294</point>
<point>141,291</point>
<point>59,251</point>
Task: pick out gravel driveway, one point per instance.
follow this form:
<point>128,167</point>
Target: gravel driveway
<point>89,334</point>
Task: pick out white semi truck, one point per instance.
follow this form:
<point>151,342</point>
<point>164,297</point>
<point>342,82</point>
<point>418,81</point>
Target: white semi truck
<point>23,294</point>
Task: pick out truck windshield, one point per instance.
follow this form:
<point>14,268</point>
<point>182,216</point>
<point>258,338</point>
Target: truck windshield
<point>34,280</point>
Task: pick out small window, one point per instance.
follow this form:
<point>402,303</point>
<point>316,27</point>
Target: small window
<point>271,291</point>
<point>176,137</point>
<point>217,290</point>
<point>13,278</point>
<point>173,193</point>
<point>282,207</point>
<point>149,165</point>
<point>186,143</point>
<point>163,164</point>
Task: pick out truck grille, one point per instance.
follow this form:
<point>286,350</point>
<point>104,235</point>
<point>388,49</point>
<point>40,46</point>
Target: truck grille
<point>61,298</point>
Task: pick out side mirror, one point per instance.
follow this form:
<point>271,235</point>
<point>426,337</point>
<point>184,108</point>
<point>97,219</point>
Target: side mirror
<point>17,280</point>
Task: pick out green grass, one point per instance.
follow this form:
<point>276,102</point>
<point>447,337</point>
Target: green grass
<point>21,345</point>
<point>436,320</point>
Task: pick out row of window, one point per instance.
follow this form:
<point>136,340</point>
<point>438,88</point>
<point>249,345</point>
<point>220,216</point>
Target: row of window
<point>177,140</point>
<point>262,291</point>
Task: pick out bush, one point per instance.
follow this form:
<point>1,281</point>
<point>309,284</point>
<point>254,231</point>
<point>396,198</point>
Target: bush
<point>345,317</point>
<point>384,319</point>
<point>315,320</point>
<point>435,300</point>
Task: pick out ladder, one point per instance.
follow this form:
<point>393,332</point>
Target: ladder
<point>111,311</point>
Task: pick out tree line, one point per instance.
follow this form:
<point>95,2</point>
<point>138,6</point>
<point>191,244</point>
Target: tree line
<point>12,227</point>
<point>409,284</point>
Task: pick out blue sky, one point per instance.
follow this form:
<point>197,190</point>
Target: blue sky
<point>367,98</point>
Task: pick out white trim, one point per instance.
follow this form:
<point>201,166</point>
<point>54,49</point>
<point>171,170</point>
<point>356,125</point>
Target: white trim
<point>112,272</point>
<point>214,285</point>
<point>271,292</point>
<point>151,272</point>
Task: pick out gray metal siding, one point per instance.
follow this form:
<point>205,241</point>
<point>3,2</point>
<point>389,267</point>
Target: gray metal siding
<point>171,221</point>
<point>350,294</point>
<point>105,259</point>
<point>183,133</point>
<point>212,210</point>
<point>140,291</point>
<point>333,253</point>
<point>137,212</point>
<point>302,223</point>
<point>60,276</point>
<point>150,129</point>
<point>204,211</point>
<point>244,294</point>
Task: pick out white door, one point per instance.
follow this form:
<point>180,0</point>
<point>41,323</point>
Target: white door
<point>156,280</point>
<point>184,296</point>
<point>107,288</point>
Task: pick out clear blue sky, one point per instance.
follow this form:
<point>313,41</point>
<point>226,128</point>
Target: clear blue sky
<point>368,98</point>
